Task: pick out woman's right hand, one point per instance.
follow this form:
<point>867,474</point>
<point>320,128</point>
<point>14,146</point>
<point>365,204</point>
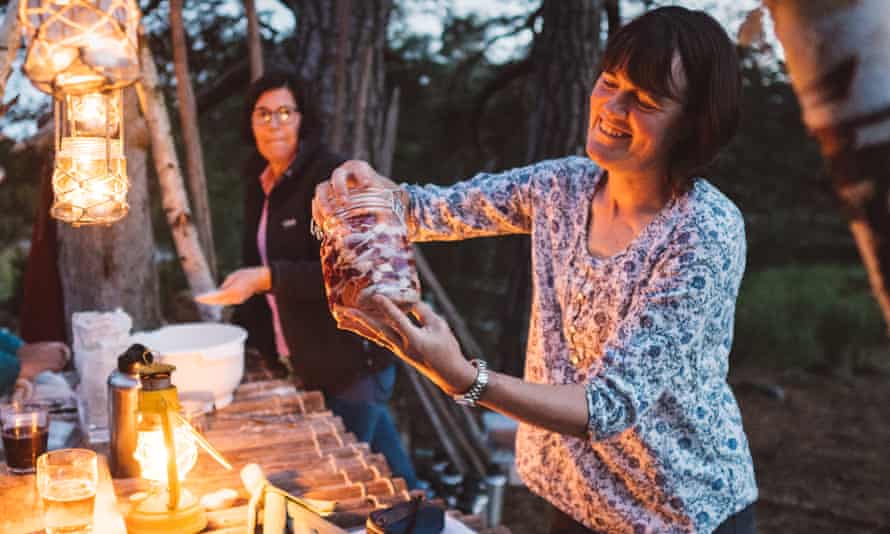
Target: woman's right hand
<point>239,286</point>
<point>352,175</point>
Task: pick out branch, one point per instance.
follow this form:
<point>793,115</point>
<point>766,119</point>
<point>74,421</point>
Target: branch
<point>233,80</point>
<point>505,76</point>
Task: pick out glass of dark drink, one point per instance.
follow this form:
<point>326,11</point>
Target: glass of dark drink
<point>25,430</point>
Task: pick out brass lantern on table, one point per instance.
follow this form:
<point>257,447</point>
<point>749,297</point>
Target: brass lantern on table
<point>166,449</point>
<point>83,52</point>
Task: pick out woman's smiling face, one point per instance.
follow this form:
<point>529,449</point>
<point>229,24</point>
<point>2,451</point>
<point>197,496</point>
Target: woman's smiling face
<point>632,130</point>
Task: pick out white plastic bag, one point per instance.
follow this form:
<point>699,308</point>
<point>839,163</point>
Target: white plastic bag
<point>99,338</point>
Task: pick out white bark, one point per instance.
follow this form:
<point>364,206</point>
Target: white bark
<point>10,40</point>
<point>173,197</point>
<point>820,38</point>
<point>838,56</point>
<point>191,135</point>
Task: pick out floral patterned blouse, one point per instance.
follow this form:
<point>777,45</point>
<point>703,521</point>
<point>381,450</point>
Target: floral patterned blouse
<point>648,331</point>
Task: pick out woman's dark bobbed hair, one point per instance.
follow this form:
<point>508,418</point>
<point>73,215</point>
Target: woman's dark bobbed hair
<point>644,51</point>
<point>310,123</point>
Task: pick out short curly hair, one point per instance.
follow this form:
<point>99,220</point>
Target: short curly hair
<point>644,50</point>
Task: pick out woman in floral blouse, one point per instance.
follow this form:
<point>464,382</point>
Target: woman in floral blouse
<point>628,423</point>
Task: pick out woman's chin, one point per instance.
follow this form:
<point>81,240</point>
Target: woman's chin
<point>277,155</point>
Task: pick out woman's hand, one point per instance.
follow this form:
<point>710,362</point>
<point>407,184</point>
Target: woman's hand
<point>430,347</point>
<point>239,286</point>
<point>42,356</point>
<point>353,174</point>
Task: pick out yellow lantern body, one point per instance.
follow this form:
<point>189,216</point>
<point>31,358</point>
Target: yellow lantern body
<point>80,46</point>
<point>166,452</point>
<point>90,181</point>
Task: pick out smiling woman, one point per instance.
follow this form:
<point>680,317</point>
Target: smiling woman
<point>627,421</point>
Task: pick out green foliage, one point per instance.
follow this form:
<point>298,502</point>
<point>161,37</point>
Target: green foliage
<point>803,316</point>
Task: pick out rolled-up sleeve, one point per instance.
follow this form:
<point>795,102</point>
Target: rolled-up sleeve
<point>655,346</point>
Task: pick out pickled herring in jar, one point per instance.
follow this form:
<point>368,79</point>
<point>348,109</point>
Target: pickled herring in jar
<point>365,252</point>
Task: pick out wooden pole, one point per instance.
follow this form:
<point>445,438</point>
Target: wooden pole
<point>443,433</point>
<point>839,66</point>
<point>463,334</point>
<point>359,147</point>
<point>173,197</point>
<point>474,455</point>
<point>254,40</point>
<point>338,130</point>
<point>388,141</point>
<point>191,135</point>
<point>9,42</point>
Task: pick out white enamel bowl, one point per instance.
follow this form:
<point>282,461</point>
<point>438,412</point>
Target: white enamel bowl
<point>209,357</point>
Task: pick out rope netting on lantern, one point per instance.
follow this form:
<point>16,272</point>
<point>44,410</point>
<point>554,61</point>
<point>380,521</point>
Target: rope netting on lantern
<point>83,52</point>
<point>80,46</point>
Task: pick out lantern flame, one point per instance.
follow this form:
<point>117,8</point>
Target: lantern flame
<point>152,454</point>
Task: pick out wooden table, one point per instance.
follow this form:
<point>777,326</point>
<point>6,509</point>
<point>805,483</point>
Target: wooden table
<point>301,447</point>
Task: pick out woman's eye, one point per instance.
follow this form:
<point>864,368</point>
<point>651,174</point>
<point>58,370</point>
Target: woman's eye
<point>647,105</point>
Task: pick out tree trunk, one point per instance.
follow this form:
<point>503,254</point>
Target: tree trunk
<point>565,57</point>
<point>838,56</point>
<point>191,135</point>
<point>319,44</point>
<point>106,267</point>
<point>10,41</point>
<point>173,197</point>
<point>254,40</point>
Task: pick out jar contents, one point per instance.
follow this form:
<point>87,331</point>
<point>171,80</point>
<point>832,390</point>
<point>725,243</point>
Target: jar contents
<point>365,251</point>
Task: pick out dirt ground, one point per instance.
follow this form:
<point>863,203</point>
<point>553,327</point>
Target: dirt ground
<point>820,446</point>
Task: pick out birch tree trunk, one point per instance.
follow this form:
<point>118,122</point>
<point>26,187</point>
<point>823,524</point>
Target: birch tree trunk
<point>838,56</point>
<point>191,135</point>
<point>322,38</point>
<point>10,40</point>
<point>106,267</point>
<point>565,56</point>
<point>254,40</point>
<point>173,197</point>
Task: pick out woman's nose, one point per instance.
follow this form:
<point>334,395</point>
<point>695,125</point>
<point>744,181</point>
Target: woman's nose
<point>616,105</point>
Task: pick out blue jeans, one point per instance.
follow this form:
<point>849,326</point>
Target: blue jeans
<point>369,419</point>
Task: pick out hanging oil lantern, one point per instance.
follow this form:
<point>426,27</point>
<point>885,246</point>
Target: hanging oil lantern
<point>83,52</point>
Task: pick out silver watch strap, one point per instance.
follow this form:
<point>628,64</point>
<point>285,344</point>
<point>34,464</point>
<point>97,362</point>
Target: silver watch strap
<point>478,387</point>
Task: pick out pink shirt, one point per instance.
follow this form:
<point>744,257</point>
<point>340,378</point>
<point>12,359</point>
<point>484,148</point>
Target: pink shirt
<point>268,185</point>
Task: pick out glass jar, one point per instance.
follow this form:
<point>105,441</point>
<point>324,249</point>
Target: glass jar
<point>365,251</point>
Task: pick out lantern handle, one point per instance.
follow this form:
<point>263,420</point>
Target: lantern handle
<point>202,440</point>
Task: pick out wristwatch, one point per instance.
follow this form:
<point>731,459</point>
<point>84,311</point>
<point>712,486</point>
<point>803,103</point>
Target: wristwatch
<point>477,388</point>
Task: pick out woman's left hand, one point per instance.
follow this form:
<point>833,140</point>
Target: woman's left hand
<point>239,286</point>
<point>430,347</point>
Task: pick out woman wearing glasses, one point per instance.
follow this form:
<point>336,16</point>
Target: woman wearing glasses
<point>280,291</point>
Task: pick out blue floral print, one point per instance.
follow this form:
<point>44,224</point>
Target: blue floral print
<point>647,331</point>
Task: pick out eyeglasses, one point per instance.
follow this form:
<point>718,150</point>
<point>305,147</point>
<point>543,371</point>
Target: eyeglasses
<point>264,116</point>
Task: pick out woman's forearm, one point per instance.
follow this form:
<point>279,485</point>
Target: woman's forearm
<point>561,409</point>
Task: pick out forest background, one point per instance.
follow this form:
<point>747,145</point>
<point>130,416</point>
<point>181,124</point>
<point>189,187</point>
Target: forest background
<point>469,93</point>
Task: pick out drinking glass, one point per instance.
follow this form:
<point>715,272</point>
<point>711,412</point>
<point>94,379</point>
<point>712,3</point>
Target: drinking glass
<point>66,481</point>
<point>25,433</point>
